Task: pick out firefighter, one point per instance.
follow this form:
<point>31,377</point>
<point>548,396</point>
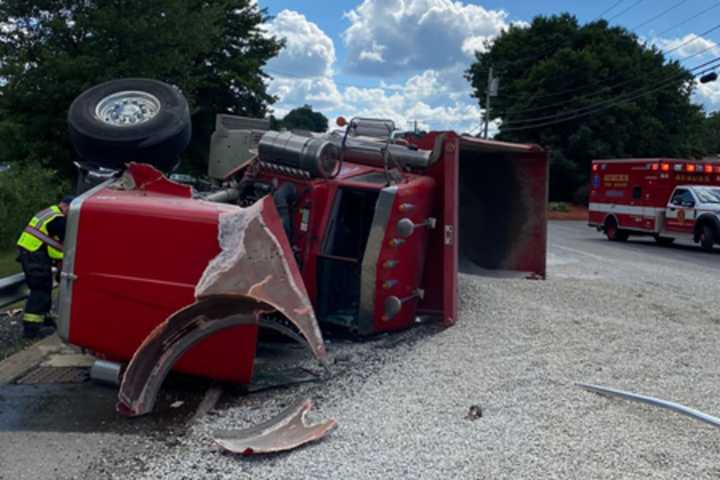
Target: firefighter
<point>39,249</point>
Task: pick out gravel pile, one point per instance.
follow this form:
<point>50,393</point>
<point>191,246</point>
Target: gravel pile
<point>402,401</point>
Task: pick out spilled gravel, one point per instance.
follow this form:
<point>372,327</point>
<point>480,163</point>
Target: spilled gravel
<point>402,401</point>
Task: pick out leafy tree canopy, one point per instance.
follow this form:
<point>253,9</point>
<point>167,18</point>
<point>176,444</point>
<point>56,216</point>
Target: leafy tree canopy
<point>305,118</point>
<point>711,134</point>
<point>556,69</point>
<point>52,50</point>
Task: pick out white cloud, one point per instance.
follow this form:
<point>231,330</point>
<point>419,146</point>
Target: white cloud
<point>687,46</point>
<point>437,98</point>
<point>308,50</point>
<point>411,35</point>
<point>475,44</point>
<point>708,94</point>
<point>424,98</point>
<point>421,98</point>
<point>320,93</point>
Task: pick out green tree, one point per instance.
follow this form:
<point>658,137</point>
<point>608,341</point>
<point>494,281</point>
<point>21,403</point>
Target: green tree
<point>555,69</point>
<point>304,118</point>
<point>24,192</point>
<point>711,134</point>
<point>52,50</point>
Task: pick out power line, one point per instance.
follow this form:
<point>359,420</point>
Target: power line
<point>694,39</point>
<point>625,11</point>
<point>717,4</point>
<point>664,12</point>
<point>602,90</point>
<point>664,52</point>
<point>650,20</point>
<point>646,22</point>
<point>668,80</point>
<point>616,102</point>
<point>609,9</point>
<point>585,114</point>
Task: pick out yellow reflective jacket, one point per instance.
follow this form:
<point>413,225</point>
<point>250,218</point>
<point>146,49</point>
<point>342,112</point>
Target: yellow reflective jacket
<point>36,234</point>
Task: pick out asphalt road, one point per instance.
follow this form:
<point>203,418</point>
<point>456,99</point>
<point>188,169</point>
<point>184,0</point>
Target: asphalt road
<point>628,315</point>
<point>575,242</point>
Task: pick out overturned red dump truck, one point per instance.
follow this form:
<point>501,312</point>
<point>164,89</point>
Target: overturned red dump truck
<point>362,229</point>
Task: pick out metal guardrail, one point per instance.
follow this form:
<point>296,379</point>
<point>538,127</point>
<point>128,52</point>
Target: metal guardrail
<point>12,289</point>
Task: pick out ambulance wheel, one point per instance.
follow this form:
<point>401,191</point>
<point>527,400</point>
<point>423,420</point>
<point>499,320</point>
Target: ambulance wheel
<point>664,240</point>
<point>707,238</point>
<point>614,234</point>
<point>131,119</point>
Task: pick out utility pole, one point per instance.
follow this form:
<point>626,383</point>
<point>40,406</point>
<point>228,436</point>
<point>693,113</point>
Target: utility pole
<point>490,91</point>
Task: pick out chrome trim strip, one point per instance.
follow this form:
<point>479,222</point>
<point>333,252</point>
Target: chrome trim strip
<point>368,276</point>
<point>68,272</point>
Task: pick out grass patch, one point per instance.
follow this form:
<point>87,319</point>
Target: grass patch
<point>8,265</point>
<point>561,207</point>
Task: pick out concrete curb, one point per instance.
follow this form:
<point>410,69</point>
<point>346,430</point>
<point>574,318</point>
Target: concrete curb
<point>23,361</point>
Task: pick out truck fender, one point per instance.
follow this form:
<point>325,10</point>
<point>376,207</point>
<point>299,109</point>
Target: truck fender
<point>254,275</point>
<point>181,331</point>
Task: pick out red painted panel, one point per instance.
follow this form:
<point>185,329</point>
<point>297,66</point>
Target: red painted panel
<point>138,258</point>
<point>403,279</point>
<point>441,263</point>
<point>450,226</point>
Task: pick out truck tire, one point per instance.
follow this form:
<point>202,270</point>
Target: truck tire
<point>707,238</point>
<point>132,119</point>
<point>613,233</point>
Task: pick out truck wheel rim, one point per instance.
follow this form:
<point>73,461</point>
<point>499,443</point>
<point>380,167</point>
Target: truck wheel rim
<point>127,108</point>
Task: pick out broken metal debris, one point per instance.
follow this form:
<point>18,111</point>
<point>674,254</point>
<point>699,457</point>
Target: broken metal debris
<point>675,407</point>
<point>474,412</point>
<point>257,262</point>
<point>211,398</point>
<point>283,432</point>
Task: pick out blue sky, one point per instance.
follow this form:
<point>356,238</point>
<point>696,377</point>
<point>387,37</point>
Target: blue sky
<point>404,59</point>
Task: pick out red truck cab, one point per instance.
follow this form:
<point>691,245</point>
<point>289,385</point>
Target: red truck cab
<point>373,237</point>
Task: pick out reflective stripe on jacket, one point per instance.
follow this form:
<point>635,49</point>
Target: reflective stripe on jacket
<point>36,234</point>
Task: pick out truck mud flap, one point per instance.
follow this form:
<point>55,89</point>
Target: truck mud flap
<point>285,431</point>
<point>252,279</point>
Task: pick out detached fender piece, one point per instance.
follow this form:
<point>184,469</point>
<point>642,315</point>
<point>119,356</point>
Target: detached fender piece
<point>257,263</point>
<point>254,274</point>
<point>166,344</point>
<point>285,431</point>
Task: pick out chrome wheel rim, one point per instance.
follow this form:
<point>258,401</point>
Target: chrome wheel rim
<point>127,108</point>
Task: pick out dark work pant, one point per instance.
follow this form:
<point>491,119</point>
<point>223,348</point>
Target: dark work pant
<point>38,276</point>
